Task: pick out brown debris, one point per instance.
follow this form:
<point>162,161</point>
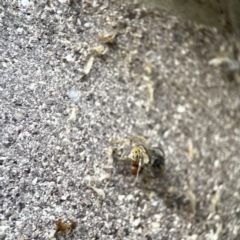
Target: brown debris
<point>65,227</point>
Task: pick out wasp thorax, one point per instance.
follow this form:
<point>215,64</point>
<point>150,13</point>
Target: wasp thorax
<point>135,155</point>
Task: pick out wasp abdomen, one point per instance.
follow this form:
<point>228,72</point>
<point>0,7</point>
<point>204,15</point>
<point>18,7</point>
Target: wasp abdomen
<point>134,169</point>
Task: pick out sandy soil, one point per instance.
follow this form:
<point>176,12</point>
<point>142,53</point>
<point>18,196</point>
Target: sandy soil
<point>64,94</point>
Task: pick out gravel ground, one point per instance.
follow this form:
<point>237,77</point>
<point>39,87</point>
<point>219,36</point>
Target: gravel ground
<point>64,94</point>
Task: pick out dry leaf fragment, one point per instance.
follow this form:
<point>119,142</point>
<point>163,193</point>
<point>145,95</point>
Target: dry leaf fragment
<point>73,114</point>
<point>107,37</point>
<point>236,77</point>
<point>147,67</point>
<point>104,176</point>
<point>150,92</point>
<point>233,65</point>
<point>215,199</point>
<point>219,61</point>
<point>97,179</point>
<point>191,151</point>
<point>100,49</point>
<point>65,142</point>
<point>99,191</point>
<point>192,201</point>
<point>88,66</point>
<point>110,157</point>
<point>214,235</point>
<point>90,179</point>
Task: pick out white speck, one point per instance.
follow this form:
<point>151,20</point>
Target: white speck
<point>99,191</point>
<point>73,94</point>
<point>130,197</point>
<point>183,52</point>
<point>25,3</point>
<point>154,203</point>
<point>87,25</point>
<point>216,137</point>
<point>73,114</point>
<point>19,30</point>
<point>136,222</point>
<point>4,64</point>
<point>176,62</point>
<point>32,86</point>
<point>97,104</point>
<point>83,153</point>
<point>59,178</point>
<point>192,237</point>
<point>63,1</point>
<point>121,197</point>
<point>18,223</point>
<point>3,228</point>
<point>119,221</point>
<point>155,225</point>
<point>104,176</point>
<point>58,209</point>
<point>64,197</point>
<point>88,66</point>
<point>94,4</point>
<point>34,181</point>
<point>52,234</point>
<point>181,109</point>
<point>216,164</point>
<point>70,58</point>
<point>66,142</point>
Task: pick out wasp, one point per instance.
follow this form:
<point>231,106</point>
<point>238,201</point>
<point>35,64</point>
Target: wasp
<point>145,160</point>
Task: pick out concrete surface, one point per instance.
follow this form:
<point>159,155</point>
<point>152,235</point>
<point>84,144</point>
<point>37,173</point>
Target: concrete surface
<point>224,15</point>
<point>61,103</point>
